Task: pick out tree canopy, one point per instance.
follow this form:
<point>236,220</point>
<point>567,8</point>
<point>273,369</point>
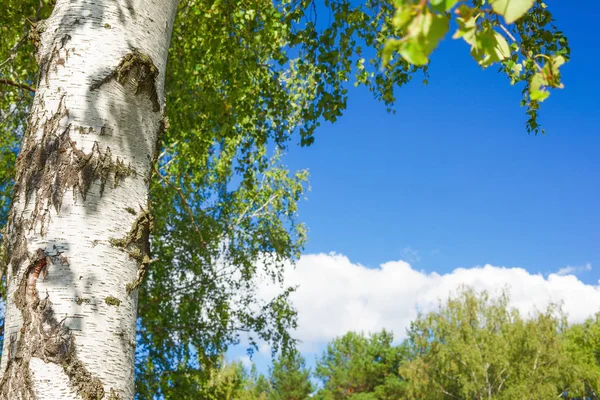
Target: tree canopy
<point>360,367</point>
<point>477,346</point>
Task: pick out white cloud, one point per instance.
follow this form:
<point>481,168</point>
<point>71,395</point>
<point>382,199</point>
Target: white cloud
<point>336,295</point>
<point>569,270</point>
<point>264,349</point>
<point>246,361</point>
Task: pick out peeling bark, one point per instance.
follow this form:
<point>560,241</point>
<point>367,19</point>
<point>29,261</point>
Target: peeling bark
<point>137,70</point>
<point>54,164</point>
<point>137,245</point>
<point>82,173</point>
<point>43,336</point>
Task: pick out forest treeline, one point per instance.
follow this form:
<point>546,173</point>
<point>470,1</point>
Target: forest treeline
<point>476,346</point>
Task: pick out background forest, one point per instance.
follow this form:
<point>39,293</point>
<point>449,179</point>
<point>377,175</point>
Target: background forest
<point>475,347</point>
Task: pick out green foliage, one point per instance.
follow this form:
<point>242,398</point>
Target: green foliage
<point>423,32</point>
<point>511,10</point>
<point>476,347</point>
<point>14,99</point>
<point>246,76</point>
<point>582,343</point>
<point>227,382</point>
<point>223,381</point>
<point>290,380</point>
<point>360,367</point>
<point>528,46</point>
<point>541,41</point>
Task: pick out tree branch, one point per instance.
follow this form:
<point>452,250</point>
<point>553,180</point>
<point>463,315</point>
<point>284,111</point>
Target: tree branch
<point>8,82</point>
<point>185,203</point>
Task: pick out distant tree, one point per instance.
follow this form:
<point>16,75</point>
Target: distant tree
<point>360,367</point>
<point>227,381</point>
<point>221,380</point>
<point>478,347</point>
<point>290,379</point>
<point>582,343</point>
<point>256,386</point>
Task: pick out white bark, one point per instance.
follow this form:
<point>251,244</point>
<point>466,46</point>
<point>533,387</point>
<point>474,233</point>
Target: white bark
<point>97,94</point>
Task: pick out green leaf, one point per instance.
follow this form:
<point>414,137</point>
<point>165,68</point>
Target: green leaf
<point>490,47</point>
<point>512,10</point>
<point>389,48</point>
<point>424,33</point>
<point>466,24</point>
<point>443,5</point>
<point>501,48</point>
<point>515,72</point>
<point>413,53</point>
<point>438,26</point>
<point>549,77</point>
<point>536,88</point>
<point>555,63</point>
<point>403,16</point>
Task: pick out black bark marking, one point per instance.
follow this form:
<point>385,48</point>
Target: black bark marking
<point>53,164</point>
<point>137,245</point>
<point>137,70</point>
<point>44,336</point>
<point>14,243</point>
<point>53,59</point>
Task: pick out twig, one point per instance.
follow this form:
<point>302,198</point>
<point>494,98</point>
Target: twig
<point>255,213</point>
<point>185,203</point>
<point>508,33</point>
<point>164,152</point>
<point>16,84</point>
<point>445,392</point>
<point>14,49</point>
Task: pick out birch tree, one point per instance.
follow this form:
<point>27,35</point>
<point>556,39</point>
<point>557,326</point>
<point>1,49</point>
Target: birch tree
<point>79,218</point>
<point>99,167</point>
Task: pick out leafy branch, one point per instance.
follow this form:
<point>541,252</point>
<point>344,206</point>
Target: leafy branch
<point>184,202</point>
<point>423,24</point>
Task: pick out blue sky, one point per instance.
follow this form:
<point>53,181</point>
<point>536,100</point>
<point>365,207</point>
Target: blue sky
<point>453,179</point>
<point>452,190</point>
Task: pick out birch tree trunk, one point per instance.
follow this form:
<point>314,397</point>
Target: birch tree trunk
<point>77,233</point>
